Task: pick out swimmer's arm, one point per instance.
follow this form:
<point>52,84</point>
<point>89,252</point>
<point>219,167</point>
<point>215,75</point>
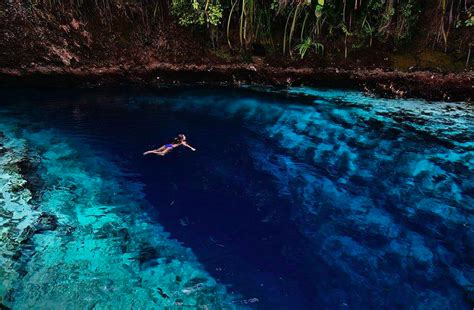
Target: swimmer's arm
<point>189,146</point>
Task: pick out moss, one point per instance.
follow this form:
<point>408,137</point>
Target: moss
<point>223,54</point>
<point>246,57</point>
<point>435,59</point>
<point>403,62</point>
<point>426,60</point>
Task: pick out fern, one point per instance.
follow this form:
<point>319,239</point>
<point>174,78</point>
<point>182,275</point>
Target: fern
<point>309,44</point>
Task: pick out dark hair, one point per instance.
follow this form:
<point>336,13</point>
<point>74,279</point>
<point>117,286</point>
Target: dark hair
<point>180,138</point>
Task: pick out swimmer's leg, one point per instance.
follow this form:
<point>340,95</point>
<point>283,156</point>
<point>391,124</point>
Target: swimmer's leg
<point>166,151</point>
<point>157,151</point>
<point>154,152</point>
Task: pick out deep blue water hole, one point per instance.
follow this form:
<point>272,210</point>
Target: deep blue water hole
<point>303,200</point>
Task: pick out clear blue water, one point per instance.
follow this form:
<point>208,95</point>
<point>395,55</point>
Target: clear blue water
<point>303,199</point>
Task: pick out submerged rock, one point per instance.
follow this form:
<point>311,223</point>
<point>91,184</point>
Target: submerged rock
<point>17,215</point>
<point>45,222</point>
<point>83,240</point>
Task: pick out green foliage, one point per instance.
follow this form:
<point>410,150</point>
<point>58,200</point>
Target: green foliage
<point>318,10</point>
<point>467,22</point>
<point>408,12</point>
<point>280,25</point>
<point>367,31</point>
<point>307,45</point>
<point>197,12</point>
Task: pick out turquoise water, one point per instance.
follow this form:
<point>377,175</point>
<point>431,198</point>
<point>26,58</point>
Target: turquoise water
<point>297,199</point>
<point>80,237</point>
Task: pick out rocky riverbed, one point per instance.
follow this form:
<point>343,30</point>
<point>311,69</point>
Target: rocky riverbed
<point>75,234</point>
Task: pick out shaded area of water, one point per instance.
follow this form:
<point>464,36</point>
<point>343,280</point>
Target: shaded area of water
<point>309,199</point>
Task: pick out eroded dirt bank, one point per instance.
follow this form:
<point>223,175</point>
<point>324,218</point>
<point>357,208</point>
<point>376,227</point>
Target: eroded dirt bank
<point>422,84</point>
<point>46,48</point>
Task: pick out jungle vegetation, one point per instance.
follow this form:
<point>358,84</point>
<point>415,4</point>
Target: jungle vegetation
<point>296,27</point>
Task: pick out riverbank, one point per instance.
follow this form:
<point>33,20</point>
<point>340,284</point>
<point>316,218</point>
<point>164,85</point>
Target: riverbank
<point>82,47</point>
<point>394,84</point>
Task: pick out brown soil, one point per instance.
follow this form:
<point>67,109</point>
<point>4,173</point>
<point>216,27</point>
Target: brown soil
<point>41,49</point>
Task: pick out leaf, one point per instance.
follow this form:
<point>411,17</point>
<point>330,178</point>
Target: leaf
<point>318,11</point>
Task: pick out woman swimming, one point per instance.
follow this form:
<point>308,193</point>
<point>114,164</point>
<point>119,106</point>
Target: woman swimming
<point>165,149</point>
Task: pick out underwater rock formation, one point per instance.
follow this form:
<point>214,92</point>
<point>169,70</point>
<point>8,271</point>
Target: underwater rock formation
<point>85,240</point>
<point>378,192</point>
<point>382,189</point>
<point>18,216</point>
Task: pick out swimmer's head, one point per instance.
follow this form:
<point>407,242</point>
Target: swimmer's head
<point>182,137</point>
